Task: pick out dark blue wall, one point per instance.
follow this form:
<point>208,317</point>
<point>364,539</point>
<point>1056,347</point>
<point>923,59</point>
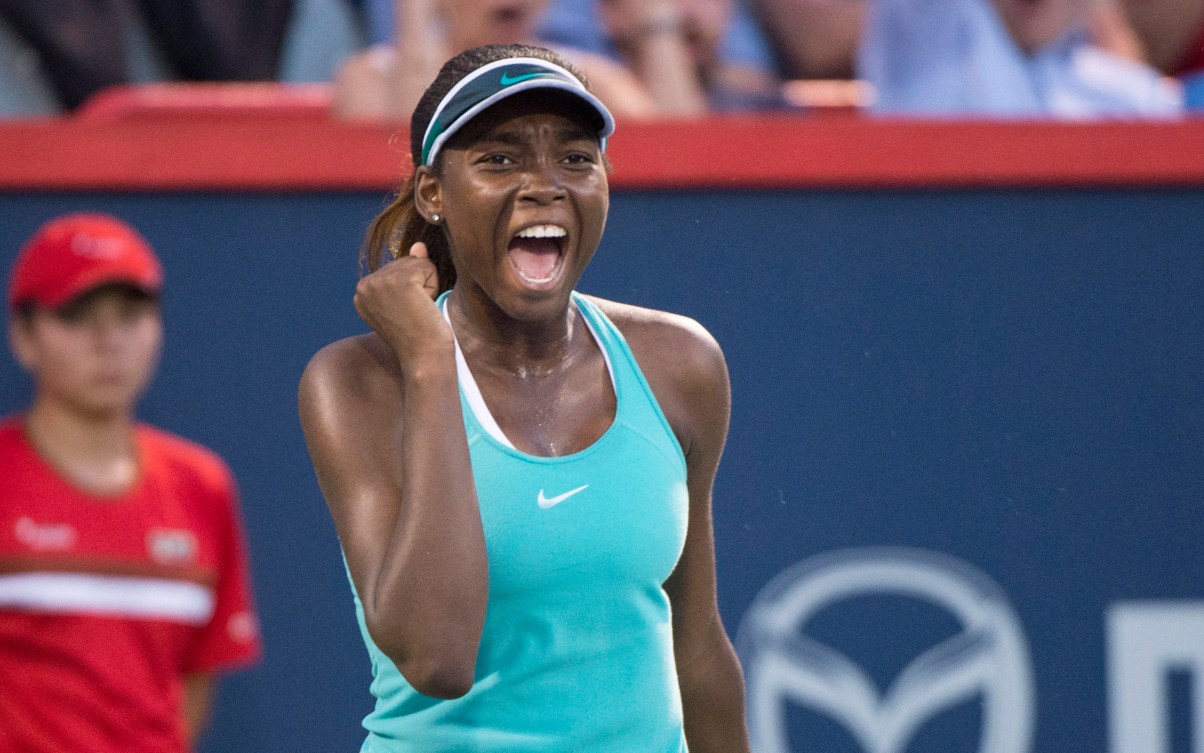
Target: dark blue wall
<point>1013,378</point>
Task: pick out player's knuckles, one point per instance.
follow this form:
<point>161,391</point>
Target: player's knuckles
<point>405,271</point>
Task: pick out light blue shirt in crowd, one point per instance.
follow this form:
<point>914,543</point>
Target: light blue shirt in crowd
<point>955,58</point>
<point>574,23</point>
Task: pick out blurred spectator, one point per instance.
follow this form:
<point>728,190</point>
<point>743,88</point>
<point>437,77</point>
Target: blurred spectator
<point>57,54</point>
<point>1007,58</point>
<point>675,48</point>
<point>385,81</point>
<point>123,581</point>
<point>576,23</point>
<point>1171,33</point>
<point>644,59</point>
<point>82,45</point>
<point>703,55</point>
<point>813,39</point>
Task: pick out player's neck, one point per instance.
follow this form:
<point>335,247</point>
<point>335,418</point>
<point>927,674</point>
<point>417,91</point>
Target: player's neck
<point>94,452</point>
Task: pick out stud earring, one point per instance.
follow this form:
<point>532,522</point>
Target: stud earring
<point>436,219</point>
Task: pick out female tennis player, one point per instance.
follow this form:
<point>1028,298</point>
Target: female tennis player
<point>520,475</point>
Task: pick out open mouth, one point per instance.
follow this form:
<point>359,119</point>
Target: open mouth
<point>536,253</point>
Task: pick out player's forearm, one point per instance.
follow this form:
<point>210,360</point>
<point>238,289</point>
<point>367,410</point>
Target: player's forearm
<point>428,604</point>
<point>715,720</point>
<point>712,692</point>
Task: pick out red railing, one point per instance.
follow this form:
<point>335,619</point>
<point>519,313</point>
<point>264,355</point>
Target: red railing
<point>280,138</point>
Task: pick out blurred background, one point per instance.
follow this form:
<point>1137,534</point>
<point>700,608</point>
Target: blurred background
<point>951,248</point>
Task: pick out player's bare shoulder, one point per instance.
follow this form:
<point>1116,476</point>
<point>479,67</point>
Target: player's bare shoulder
<point>350,376</point>
<point>663,338</point>
<point>682,362</point>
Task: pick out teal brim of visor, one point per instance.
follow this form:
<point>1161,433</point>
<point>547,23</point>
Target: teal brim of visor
<point>490,84</point>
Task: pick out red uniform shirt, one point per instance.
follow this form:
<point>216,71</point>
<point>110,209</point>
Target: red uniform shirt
<point>107,602</point>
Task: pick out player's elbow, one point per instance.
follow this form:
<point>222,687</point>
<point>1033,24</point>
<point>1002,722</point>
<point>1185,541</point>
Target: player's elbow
<point>439,677</point>
<point>442,667</point>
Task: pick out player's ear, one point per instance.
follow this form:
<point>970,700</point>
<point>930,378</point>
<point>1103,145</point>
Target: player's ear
<point>428,193</point>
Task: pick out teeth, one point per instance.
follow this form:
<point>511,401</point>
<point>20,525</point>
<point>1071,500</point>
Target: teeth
<point>536,280</point>
<point>543,231</point>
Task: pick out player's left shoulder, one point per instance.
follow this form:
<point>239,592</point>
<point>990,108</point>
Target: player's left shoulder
<point>665,338</point>
<point>683,365</point>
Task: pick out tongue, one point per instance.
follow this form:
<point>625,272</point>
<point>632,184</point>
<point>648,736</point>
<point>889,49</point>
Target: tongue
<point>535,258</point>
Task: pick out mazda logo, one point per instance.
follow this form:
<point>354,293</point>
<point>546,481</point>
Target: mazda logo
<point>988,657</point>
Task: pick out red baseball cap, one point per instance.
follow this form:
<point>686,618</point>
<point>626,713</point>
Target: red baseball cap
<point>75,253</point>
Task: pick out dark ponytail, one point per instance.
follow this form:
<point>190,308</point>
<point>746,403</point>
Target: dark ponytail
<point>400,226</point>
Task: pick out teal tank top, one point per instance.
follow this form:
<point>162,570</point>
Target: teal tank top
<point>577,648</point>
